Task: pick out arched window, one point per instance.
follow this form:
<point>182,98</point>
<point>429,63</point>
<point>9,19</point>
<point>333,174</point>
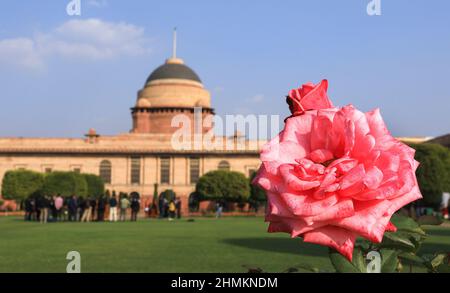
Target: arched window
<point>224,166</point>
<point>105,171</point>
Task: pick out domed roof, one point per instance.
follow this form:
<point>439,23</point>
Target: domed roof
<point>173,69</point>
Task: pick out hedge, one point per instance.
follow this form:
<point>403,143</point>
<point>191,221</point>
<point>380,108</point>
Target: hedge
<point>65,183</point>
<point>223,185</point>
<point>95,185</point>
<point>20,184</point>
<point>433,172</point>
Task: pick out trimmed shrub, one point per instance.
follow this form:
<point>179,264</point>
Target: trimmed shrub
<point>223,185</point>
<point>168,194</point>
<point>65,183</point>
<point>95,185</point>
<point>432,173</point>
<point>20,184</point>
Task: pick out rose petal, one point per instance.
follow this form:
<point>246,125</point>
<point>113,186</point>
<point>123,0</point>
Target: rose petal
<point>340,239</point>
<point>295,183</point>
<point>373,178</point>
<point>340,210</point>
<point>321,155</point>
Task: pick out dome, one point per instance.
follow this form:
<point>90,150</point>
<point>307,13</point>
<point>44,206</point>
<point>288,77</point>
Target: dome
<point>173,69</point>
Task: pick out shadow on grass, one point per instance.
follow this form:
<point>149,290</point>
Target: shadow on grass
<point>281,245</point>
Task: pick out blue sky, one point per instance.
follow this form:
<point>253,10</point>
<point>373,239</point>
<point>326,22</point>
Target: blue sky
<point>60,74</point>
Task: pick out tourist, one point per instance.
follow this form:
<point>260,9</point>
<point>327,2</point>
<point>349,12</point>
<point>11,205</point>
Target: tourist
<point>59,203</point>
<point>53,212</point>
<point>135,207</point>
<point>178,207</point>
<point>124,205</point>
<point>81,208</point>
<point>87,211</point>
<point>28,209</point>
<point>113,209</point>
<point>162,205</point>
<point>101,209</point>
<point>44,205</point>
<point>72,206</point>
<point>172,210</point>
<point>93,204</point>
<point>219,210</point>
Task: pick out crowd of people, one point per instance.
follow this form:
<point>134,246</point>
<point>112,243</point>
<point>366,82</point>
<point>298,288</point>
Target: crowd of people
<point>170,209</point>
<point>80,209</point>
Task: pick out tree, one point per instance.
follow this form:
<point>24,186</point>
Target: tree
<point>444,155</point>
<point>168,194</point>
<point>65,183</point>
<point>95,185</point>
<point>20,184</point>
<point>257,194</point>
<point>223,185</point>
<point>432,173</point>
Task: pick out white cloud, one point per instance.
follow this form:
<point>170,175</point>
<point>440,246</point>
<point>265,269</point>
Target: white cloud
<point>20,51</point>
<point>91,39</point>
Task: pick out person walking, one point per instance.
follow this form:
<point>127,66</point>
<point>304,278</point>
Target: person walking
<point>87,211</point>
<point>219,210</point>
<point>172,209</point>
<point>113,209</point>
<point>44,205</point>
<point>124,205</point>
<point>135,207</point>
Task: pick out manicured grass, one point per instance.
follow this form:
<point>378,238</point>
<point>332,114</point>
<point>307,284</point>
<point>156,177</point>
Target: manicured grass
<point>205,245</point>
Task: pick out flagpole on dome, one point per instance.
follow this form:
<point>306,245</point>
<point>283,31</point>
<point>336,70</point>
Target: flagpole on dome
<point>174,44</point>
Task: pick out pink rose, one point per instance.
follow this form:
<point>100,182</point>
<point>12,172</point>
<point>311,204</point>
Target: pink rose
<point>309,97</point>
<point>334,174</point>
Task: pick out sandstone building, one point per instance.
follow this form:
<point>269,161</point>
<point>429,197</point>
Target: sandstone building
<point>135,161</point>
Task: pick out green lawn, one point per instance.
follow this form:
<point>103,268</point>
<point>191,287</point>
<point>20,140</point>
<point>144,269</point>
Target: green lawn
<point>205,245</point>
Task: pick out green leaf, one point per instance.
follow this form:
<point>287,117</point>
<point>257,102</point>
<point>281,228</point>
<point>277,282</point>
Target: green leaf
<point>341,264</point>
<point>438,260</point>
<point>358,260</point>
<point>411,257</point>
<point>397,240</point>
<point>432,262</point>
<point>407,224</point>
<point>389,260</point>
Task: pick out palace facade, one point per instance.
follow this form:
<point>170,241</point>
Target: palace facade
<point>135,161</point>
